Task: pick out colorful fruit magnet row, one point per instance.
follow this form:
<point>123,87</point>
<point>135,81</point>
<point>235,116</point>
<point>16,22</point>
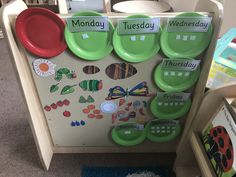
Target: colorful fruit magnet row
<point>56,105</point>
<point>115,71</point>
<point>92,112</point>
<point>129,111</point>
<point>90,99</point>
<point>76,123</point>
<point>124,116</point>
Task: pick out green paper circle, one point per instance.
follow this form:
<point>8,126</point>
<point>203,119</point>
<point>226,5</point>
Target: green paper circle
<point>135,137</point>
<point>156,135</point>
<point>98,44</point>
<point>174,48</point>
<point>136,51</point>
<point>175,83</point>
<point>169,112</point>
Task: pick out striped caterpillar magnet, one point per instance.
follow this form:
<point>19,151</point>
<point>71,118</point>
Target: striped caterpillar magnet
<point>91,85</point>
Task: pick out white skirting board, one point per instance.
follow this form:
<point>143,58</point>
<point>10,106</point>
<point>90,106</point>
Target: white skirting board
<point>1,33</point>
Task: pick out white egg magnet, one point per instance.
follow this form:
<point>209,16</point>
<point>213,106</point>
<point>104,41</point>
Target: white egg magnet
<point>43,67</point>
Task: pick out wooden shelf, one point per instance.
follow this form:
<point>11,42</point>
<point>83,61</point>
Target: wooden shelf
<point>48,4</point>
<point>41,2</point>
<point>201,156</point>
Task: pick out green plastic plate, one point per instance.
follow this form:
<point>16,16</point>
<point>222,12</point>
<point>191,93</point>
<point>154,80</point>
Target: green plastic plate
<point>128,134</point>
<point>169,110</point>
<point>139,49</point>
<point>90,45</point>
<point>175,81</point>
<point>185,44</point>
<point>162,130</point>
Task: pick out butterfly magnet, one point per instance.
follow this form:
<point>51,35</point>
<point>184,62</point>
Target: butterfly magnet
<point>118,92</point>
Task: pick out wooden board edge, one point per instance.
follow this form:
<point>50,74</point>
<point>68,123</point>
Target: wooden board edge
<point>216,8</point>
<point>37,118</point>
<point>201,156</point>
<point>111,150</point>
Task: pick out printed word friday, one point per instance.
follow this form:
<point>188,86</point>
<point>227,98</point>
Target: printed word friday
<point>173,97</point>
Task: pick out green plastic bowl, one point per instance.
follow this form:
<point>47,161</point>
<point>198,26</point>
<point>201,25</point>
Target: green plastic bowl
<point>175,48</point>
<point>162,130</point>
<point>175,81</point>
<point>138,50</point>
<point>128,134</point>
<point>98,44</point>
<point>169,110</point>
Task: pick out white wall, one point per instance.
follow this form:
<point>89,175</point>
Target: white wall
<point>229,19</point>
<point>182,5</point>
<point>78,5</point>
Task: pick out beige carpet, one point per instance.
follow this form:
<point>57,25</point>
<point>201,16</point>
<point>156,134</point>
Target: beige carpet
<point>18,155</point>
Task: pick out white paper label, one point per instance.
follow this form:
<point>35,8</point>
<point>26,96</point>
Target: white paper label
<point>188,24</point>
<point>87,23</point>
<point>164,96</point>
<point>138,26</point>
<point>180,64</point>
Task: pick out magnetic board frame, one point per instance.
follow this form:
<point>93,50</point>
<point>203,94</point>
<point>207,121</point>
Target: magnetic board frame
<point>42,138</point>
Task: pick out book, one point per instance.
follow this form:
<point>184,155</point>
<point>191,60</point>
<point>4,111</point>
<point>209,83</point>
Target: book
<point>224,61</point>
<point>219,139</point>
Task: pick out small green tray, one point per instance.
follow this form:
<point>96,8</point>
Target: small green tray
<point>138,50</point>
<point>173,47</point>
<point>175,81</point>
<point>169,110</point>
<point>95,46</point>
<point>162,130</point>
<point>128,134</point>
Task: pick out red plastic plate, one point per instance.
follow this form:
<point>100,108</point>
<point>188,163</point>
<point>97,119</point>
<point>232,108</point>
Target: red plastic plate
<point>41,32</point>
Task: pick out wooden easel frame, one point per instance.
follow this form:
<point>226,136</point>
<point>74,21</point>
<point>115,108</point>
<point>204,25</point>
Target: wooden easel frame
<point>37,120</point>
